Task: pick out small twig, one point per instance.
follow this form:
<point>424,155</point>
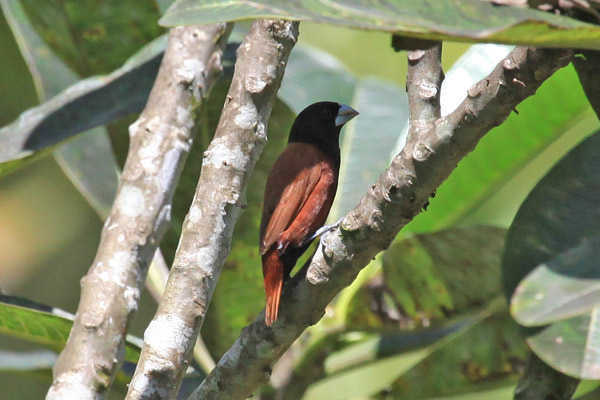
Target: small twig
<point>160,142</point>
<point>540,381</point>
<point>218,202</point>
<point>393,201</point>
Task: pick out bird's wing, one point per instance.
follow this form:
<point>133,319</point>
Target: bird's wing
<point>313,212</point>
<point>288,187</point>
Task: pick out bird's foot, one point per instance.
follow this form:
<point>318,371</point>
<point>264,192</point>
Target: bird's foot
<point>326,229</point>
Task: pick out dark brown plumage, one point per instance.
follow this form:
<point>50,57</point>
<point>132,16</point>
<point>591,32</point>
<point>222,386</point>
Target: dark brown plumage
<point>299,193</point>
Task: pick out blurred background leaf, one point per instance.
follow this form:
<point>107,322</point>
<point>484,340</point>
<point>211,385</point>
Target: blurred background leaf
<point>565,286</point>
<point>491,184</point>
<point>558,216</point>
<point>45,326</point>
<point>93,37</point>
<point>427,279</point>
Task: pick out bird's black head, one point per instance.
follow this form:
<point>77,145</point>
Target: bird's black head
<point>320,124</point>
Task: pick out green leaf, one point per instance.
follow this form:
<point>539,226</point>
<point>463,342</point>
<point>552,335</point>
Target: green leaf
<point>571,345</point>
<point>487,355</point>
<point>563,287</point>
<point>560,215</point>
<point>429,278</point>
<point>364,381</point>
<point>46,326</point>
<point>89,103</point>
<point>458,20</point>
<point>371,365</point>
<point>93,37</point>
<point>505,150</point>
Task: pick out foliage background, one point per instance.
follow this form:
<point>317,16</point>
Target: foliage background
<point>48,227</point>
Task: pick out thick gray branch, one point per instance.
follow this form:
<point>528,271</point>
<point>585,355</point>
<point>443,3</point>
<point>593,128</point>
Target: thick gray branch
<point>160,141</point>
<point>218,201</point>
<point>393,201</point>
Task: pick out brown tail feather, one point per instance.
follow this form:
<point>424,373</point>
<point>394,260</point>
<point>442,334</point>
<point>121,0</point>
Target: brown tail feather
<point>273,273</point>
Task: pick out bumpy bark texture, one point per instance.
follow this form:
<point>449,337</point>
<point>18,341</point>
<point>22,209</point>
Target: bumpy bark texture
<point>160,141</point>
<point>218,202</point>
<point>394,200</point>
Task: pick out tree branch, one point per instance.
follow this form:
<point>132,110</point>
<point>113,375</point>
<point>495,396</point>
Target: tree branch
<point>393,201</point>
<point>219,199</point>
<point>423,85</point>
<point>160,142</point>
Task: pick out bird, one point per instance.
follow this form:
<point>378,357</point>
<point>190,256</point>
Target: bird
<point>299,192</point>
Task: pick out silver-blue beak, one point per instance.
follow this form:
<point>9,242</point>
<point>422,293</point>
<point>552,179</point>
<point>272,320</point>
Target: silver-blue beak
<point>345,114</point>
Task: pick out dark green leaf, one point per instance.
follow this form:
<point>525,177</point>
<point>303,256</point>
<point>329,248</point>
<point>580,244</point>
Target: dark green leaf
<point>93,37</point>
<point>560,214</point>
<point>565,286</point>
<point>488,355</point>
<point>429,278</point>
<point>459,20</point>
<point>46,326</point>
<point>86,104</point>
<point>571,345</point>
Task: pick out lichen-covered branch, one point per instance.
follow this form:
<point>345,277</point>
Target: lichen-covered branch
<point>423,85</point>
<point>160,141</point>
<point>540,381</point>
<point>394,200</point>
<point>218,201</point>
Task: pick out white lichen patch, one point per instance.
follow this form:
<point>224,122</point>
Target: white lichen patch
<point>220,154</point>
<point>168,333</point>
<point>131,296</point>
<point>135,127</point>
<point>147,388</point>
<point>118,266</point>
<point>195,215</point>
<point>150,153</point>
<point>131,201</point>
<point>69,386</point>
<point>187,72</point>
<point>255,84</point>
<point>271,71</point>
<point>246,117</point>
<point>183,117</point>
